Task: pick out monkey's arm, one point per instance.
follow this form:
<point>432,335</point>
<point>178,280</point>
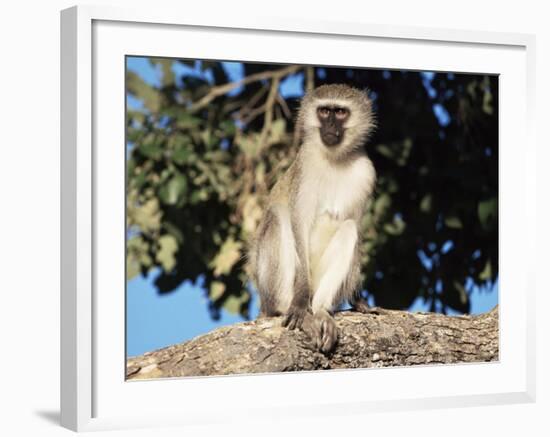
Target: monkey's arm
<point>300,305</point>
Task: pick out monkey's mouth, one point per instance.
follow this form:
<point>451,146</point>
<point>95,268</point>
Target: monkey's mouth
<point>331,139</point>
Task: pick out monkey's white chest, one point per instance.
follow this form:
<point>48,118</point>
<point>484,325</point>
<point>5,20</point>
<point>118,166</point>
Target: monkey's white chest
<point>339,191</point>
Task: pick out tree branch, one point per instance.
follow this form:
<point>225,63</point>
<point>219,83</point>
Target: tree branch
<point>248,112</point>
<point>310,78</point>
<point>392,338</point>
<point>220,90</point>
<point>268,117</point>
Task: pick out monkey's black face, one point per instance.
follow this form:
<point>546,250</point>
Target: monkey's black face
<point>332,120</point>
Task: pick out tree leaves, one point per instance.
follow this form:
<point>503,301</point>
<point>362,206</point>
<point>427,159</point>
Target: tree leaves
<point>453,222</point>
<point>487,272</point>
<point>487,211</point>
<point>174,190</point>
<point>217,289</point>
<point>146,216</point>
<point>456,297</point>
<point>168,246</point>
<point>168,76</point>
<point>198,182</point>
<point>136,86</point>
<point>138,258</point>
<point>229,254</point>
<point>426,203</point>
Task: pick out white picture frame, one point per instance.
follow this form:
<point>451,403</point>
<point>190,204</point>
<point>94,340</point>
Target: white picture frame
<point>94,394</point>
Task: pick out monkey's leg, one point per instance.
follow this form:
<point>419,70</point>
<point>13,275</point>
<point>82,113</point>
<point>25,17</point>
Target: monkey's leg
<point>332,271</point>
<point>276,262</point>
<point>334,266</point>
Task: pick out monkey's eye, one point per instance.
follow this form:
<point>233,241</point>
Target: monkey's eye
<point>341,112</point>
<point>323,112</point>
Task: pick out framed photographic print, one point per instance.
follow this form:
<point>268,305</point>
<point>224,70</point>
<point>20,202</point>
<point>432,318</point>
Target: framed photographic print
<point>249,207</point>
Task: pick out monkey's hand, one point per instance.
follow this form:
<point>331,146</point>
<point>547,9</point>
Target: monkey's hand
<point>299,309</point>
<point>295,317</point>
<point>322,330</point>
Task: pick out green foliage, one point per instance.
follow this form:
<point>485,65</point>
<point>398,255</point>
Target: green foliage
<point>198,178</point>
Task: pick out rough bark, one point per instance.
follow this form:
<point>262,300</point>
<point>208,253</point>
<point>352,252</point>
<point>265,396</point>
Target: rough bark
<point>391,338</point>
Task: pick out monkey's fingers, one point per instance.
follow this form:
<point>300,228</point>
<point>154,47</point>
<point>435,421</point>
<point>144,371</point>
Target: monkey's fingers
<point>294,320</point>
<point>312,327</point>
<point>319,338</point>
<point>286,321</point>
<point>330,335</point>
<point>292,323</point>
<point>320,334</point>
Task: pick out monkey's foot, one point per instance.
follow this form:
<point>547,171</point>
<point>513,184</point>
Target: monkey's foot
<point>364,308</point>
<point>322,329</point>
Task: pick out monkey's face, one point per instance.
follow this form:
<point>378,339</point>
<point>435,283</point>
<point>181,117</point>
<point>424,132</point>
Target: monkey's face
<point>332,119</point>
<point>336,117</point>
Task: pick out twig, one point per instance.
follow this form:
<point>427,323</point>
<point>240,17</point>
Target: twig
<point>251,103</point>
<point>220,90</point>
<point>284,106</point>
<point>268,119</point>
<point>310,78</point>
<point>253,114</point>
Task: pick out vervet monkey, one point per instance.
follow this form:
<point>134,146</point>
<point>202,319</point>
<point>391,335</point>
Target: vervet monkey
<point>305,256</point>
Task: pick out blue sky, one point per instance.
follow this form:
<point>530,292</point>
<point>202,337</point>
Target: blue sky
<point>154,321</point>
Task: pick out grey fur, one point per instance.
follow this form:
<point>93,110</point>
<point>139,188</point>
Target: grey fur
<point>281,229</point>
